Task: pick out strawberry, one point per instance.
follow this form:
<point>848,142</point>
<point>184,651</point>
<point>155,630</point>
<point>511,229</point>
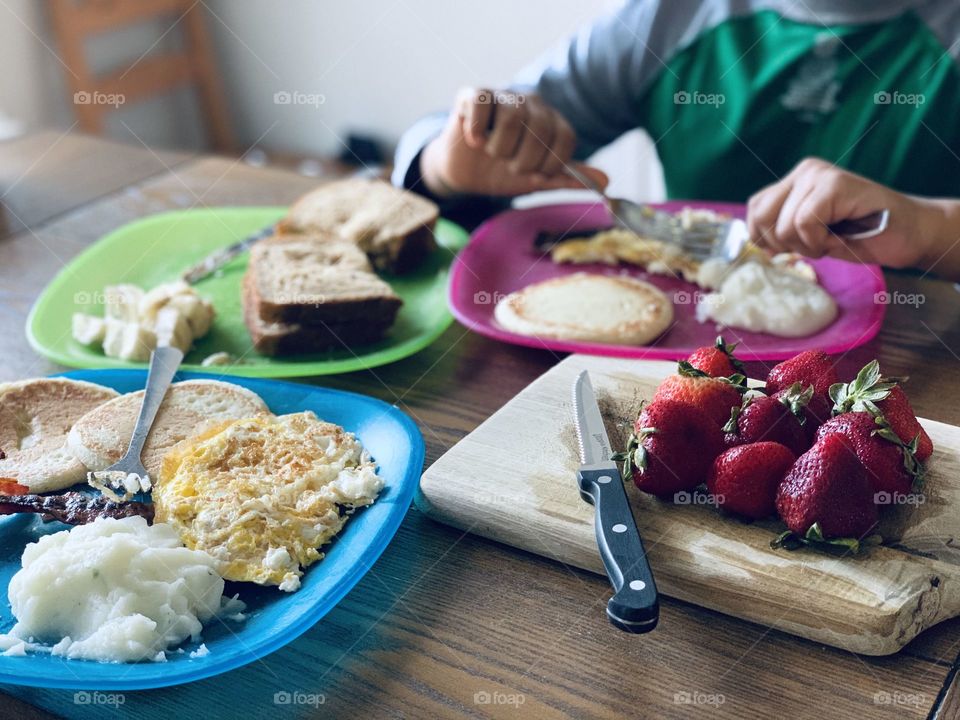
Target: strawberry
<point>891,466</point>
<point>765,418</point>
<point>717,360</point>
<point>827,487</point>
<point>714,396</point>
<point>744,479</point>
<point>873,393</point>
<point>812,367</point>
<point>810,408</point>
<point>672,448</point>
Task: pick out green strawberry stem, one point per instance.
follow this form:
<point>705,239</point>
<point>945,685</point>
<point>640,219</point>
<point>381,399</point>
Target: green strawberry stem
<point>815,540</point>
<point>796,399</point>
<point>863,392</point>
<point>736,380</point>
<point>728,351</point>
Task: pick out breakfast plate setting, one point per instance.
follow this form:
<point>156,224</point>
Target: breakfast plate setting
<point>257,617</point>
<point>508,285</point>
<point>348,313</point>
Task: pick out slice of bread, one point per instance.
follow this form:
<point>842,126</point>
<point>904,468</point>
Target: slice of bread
<point>392,226</point>
<point>35,418</point>
<point>100,438</point>
<point>606,309</point>
<point>281,338</point>
<point>305,280</point>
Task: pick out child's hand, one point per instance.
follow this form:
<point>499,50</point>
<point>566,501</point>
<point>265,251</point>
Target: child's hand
<point>501,143</point>
<point>792,216</point>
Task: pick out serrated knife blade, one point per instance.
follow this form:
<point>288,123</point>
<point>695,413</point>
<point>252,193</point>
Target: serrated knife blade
<point>591,433</point>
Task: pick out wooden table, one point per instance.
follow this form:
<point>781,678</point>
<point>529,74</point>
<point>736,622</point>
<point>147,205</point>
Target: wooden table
<point>446,621</point>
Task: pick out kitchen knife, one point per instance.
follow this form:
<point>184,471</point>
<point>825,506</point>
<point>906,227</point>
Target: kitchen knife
<point>634,606</point>
<point>218,258</point>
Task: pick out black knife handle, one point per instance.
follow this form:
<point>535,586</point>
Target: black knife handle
<point>635,606</point>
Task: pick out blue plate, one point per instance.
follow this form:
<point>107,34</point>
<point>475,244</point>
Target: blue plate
<point>274,618</point>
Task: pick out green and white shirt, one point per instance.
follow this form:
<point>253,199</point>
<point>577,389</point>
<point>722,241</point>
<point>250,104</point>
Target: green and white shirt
<point>736,92</point>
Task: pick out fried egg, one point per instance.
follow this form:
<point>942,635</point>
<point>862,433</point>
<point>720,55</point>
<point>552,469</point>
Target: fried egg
<point>263,495</point>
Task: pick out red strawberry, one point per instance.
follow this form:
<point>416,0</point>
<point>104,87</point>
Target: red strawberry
<point>898,412</point>
<point>763,418</point>
<point>891,467</point>
<point>812,367</point>
<point>809,407</point>
<point>744,479</point>
<point>872,392</point>
<point>717,361</point>
<point>672,448</point>
<point>713,396</point>
<point>828,486</point>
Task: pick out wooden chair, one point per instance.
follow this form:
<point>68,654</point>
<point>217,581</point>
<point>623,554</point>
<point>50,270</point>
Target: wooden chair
<point>74,21</point>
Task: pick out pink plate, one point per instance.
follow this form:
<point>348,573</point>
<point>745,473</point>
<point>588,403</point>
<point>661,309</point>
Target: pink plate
<point>501,258</point>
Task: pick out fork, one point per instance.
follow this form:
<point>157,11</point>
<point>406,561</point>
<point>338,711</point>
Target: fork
<point>164,362</point>
<point>723,239</point>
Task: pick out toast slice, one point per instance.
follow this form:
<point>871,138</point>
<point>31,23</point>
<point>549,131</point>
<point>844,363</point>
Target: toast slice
<point>280,338</point>
<point>314,280</point>
<point>35,418</point>
<point>393,227</point>
<point>614,310</point>
<point>99,438</point>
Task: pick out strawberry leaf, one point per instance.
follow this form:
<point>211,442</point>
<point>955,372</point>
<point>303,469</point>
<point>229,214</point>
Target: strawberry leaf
<point>862,392</point>
<point>728,351</point>
<point>796,399</point>
<point>731,424</point>
<point>687,370</point>
<point>737,380</point>
<point>815,540</point>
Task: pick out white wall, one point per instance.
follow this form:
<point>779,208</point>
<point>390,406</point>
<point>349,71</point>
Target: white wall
<point>381,64</point>
<point>378,64</point>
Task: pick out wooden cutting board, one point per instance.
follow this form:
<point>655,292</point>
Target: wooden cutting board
<point>512,480</point>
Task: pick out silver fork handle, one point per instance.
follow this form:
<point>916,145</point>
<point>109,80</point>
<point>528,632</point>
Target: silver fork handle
<point>584,180</point>
<point>862,228</point>
<point>163,366</point>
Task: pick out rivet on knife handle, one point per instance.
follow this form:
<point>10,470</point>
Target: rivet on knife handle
<point>635,605</point>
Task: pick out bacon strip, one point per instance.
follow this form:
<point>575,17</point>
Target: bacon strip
<point>73,508</point>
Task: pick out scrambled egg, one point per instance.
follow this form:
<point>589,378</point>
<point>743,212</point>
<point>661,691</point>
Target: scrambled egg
<point>262,495</point>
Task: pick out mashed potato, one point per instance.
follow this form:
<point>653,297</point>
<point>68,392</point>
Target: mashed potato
<point>767,299</point>
<point>113,590</point>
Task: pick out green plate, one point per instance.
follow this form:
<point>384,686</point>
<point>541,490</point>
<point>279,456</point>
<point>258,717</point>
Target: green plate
<point>157,249</point>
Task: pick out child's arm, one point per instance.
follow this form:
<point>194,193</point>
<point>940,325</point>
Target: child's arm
<point>501,143</point>
<point>792,216</point>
